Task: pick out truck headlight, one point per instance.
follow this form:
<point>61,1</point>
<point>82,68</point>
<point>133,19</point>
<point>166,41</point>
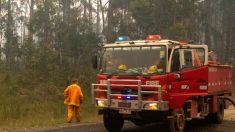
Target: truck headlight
<point>151,106</point>
<point>101,103</point>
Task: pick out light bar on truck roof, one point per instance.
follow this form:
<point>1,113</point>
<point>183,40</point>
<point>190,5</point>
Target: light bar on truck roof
<point>153,37</point>
<point>186,41</point>
<point>122,38</point>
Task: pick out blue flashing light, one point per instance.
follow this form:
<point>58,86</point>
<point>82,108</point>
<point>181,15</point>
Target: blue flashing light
<point>123,38</point>
<point>128,97</point>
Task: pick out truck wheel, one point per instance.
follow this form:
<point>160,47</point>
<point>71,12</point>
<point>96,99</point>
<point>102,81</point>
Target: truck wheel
<point>217,117</point>
<point>113,122</point>
<point>138,123</point>
<point>177,123</point>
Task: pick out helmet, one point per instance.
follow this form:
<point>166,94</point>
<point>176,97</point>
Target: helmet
<point>152,69</point>
<point>122,67</point>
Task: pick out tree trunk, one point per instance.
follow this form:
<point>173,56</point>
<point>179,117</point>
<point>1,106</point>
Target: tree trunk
<point>47,35</point>
<point>85,8</point>
<point>90,11</point>
<point>0,7</point>
<point>102,13</point>
<point>0,32</point>
<point>9,36</point>
<point>58,34</point>
<point>109,33</point>
<point>98,18</point>
<point>66,10</point>
<point>30,21</point>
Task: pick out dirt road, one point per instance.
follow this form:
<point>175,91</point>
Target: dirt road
<point>193,126</point>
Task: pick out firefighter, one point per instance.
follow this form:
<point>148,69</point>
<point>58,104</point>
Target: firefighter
<point>73,99</point>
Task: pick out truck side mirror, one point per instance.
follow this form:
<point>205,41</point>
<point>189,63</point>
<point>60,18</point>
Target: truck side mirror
<point>94,61</point>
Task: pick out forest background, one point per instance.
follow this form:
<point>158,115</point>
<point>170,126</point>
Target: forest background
<point>46,43</point>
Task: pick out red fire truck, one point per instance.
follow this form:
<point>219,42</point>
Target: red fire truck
<point>152,80</point>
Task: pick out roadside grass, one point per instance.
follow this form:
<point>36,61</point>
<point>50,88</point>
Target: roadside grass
<point>17,112</point>
<point>89,113</point>
<point>30,103</point>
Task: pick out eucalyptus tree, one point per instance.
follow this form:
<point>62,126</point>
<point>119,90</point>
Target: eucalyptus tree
<point>217,27</point>
<point>9,36</point>
<point>1,37</point>
<point>31,4</point>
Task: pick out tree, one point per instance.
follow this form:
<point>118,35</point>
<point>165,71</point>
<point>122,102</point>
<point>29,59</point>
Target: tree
<point>1,31</point>
<point>110,28</point>
<point>30,24</point>
<point>66,10</point>
<point>9,36</point>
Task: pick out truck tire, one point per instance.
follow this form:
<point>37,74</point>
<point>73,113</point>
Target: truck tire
<point>177,123</point>
<point>139,123</point>
<point>113,122</point>
<point>217,117</point>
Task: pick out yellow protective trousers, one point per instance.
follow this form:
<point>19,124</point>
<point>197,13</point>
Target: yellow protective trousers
<point>71,110</point>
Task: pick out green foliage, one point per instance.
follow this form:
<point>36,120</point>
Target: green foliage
<point>32,88</point>
<point>162,17</point>
<point>31,99</point>
<point>42,50</point>
<point>177,32</point>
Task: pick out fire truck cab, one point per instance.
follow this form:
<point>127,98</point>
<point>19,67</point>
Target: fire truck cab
<point>154,80</point>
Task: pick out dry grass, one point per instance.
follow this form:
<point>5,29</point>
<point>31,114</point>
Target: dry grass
<point>36,103</point>
<point>15,114</point>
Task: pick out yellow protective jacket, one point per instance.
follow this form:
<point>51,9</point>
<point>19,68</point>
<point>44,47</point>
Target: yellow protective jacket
<point>73,95</point>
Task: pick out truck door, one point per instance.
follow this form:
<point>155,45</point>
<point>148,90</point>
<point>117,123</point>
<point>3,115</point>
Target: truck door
<point>186,70</point>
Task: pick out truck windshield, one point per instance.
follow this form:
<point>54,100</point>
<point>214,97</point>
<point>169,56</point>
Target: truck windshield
<point>144,60</point>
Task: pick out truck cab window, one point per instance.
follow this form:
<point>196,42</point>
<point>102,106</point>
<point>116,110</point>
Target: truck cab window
<point>175,65</point>
<point>187,58</point>
<point>188,63</point>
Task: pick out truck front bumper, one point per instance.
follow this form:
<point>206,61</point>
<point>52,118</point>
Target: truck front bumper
<point>131,105</point>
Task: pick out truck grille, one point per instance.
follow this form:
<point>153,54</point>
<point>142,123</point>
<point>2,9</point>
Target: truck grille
<point>133,92</point>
